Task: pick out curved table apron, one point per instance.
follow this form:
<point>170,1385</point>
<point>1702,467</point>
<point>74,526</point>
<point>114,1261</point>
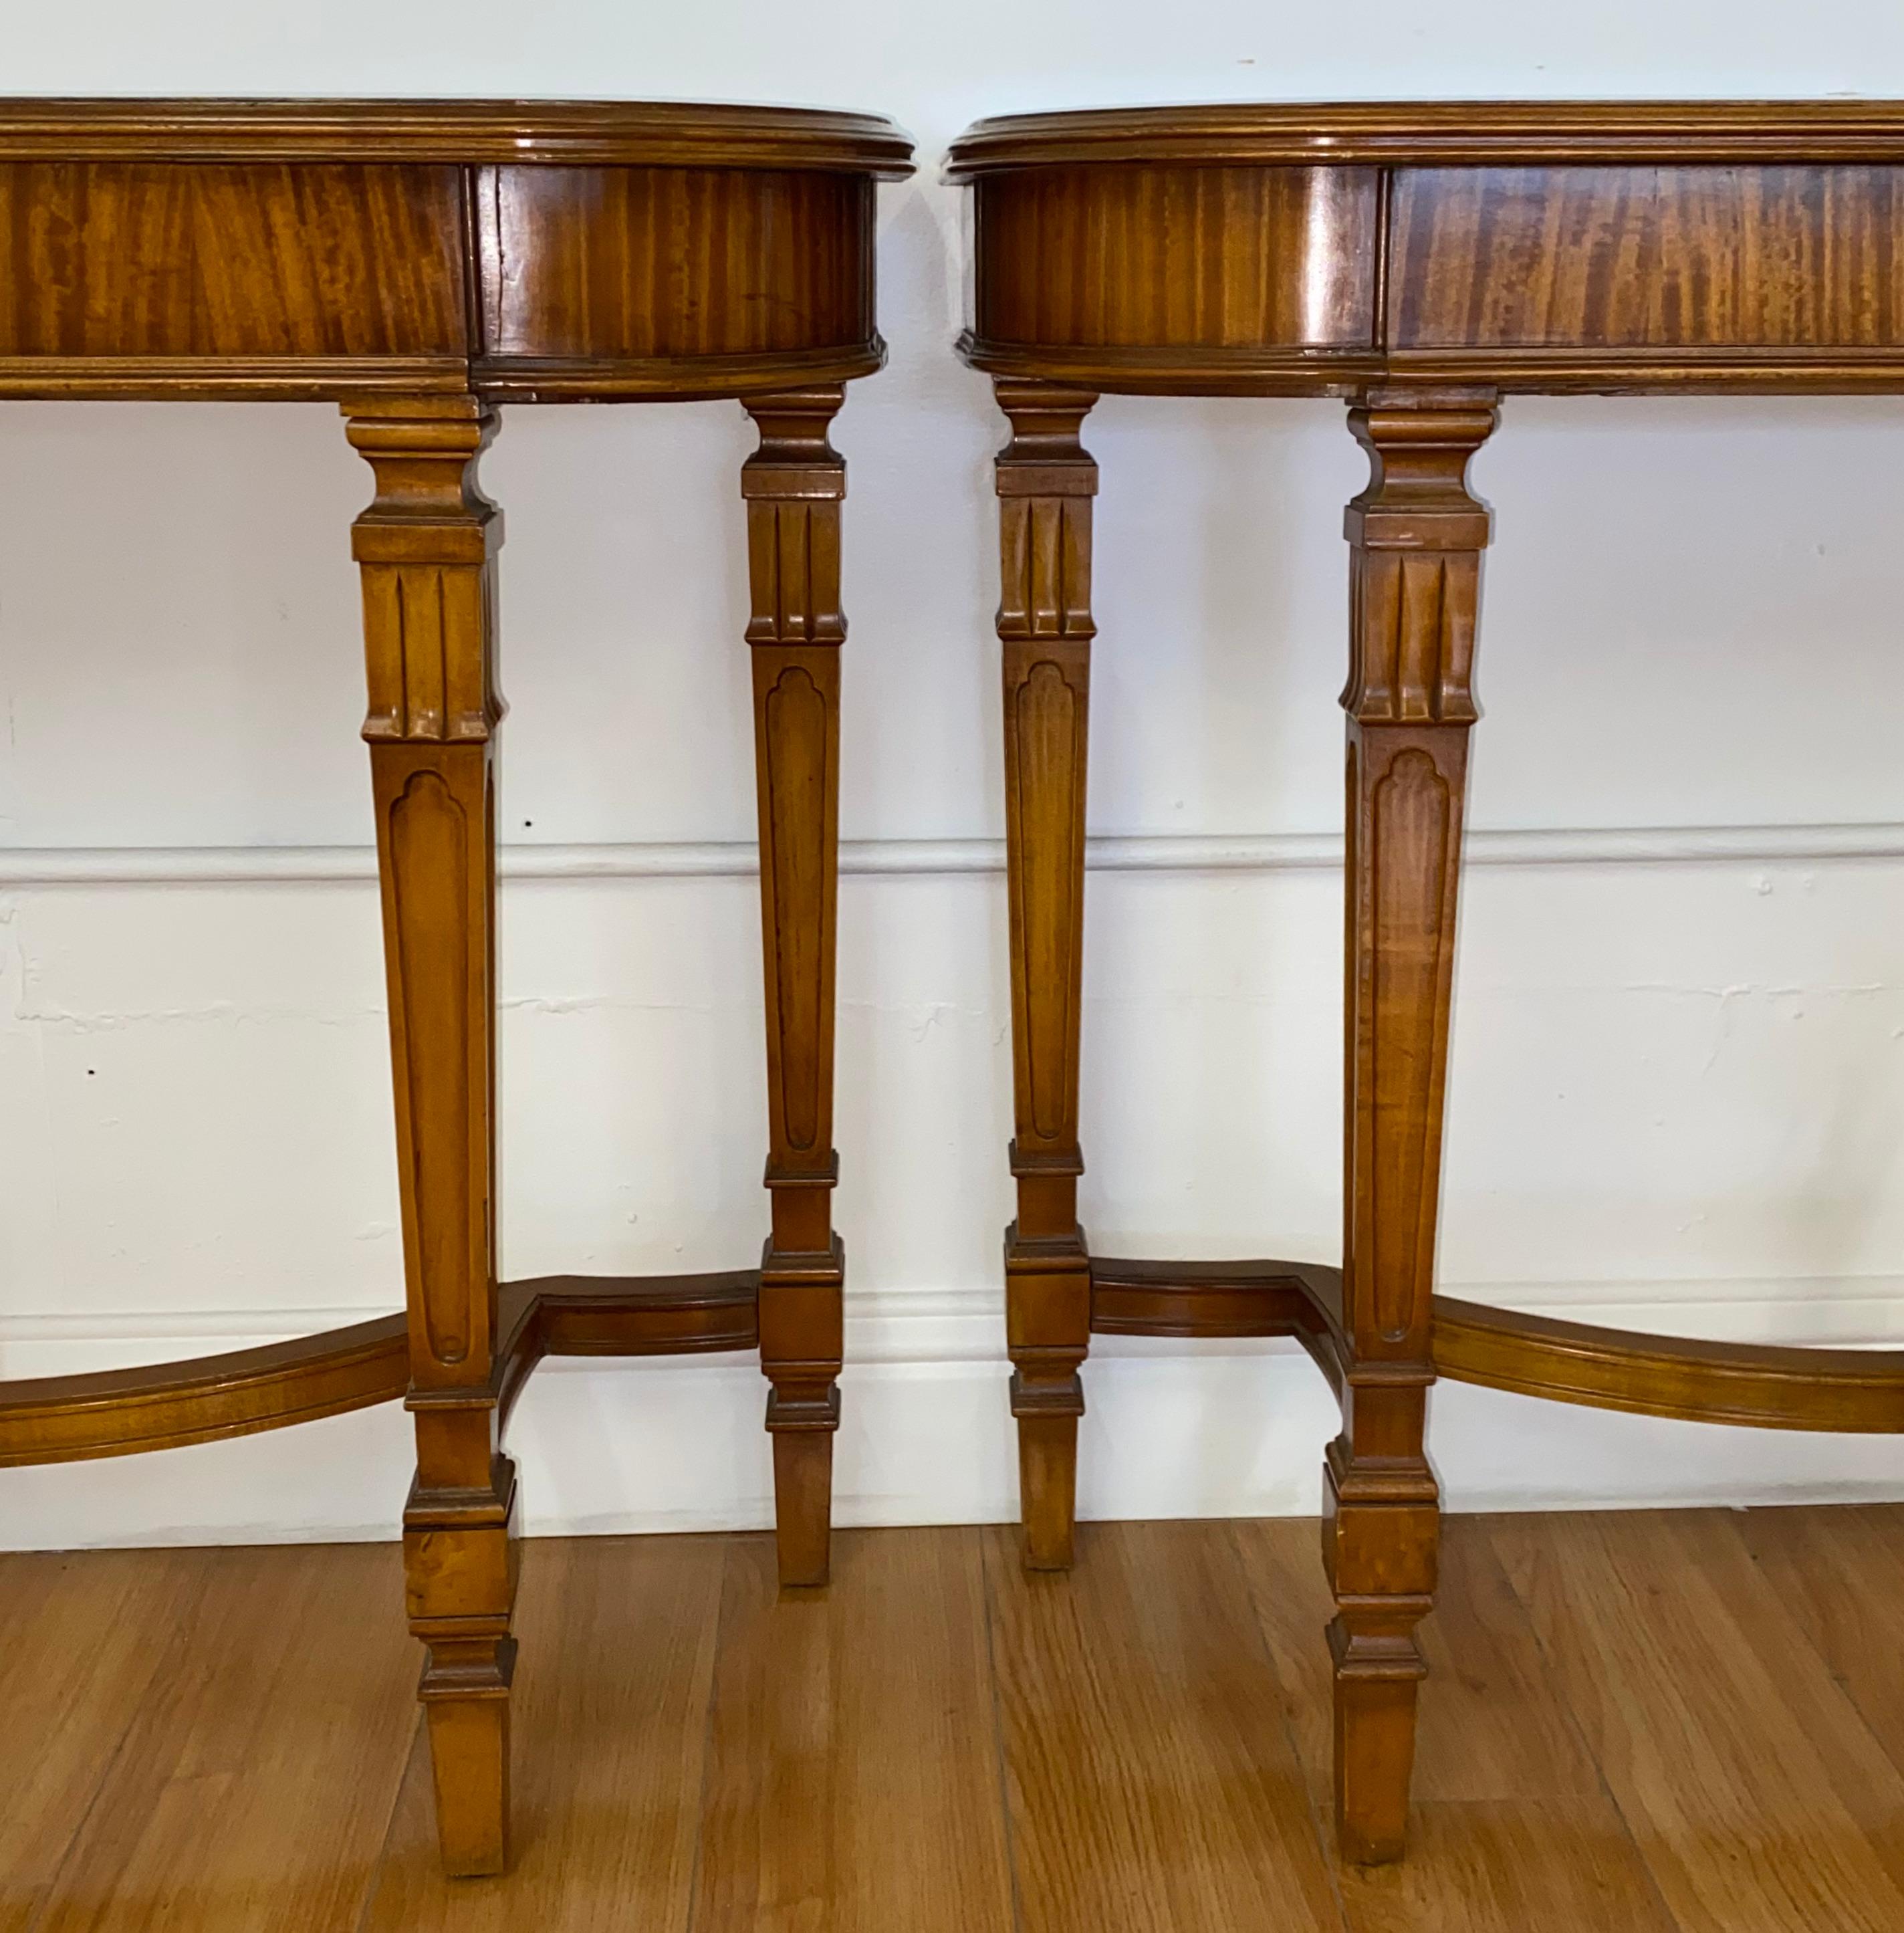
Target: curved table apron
<point>1420,262</point>
<point>418,263</point>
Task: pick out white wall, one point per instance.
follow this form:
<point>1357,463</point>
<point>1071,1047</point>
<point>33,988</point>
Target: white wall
<point>1678,1086</point>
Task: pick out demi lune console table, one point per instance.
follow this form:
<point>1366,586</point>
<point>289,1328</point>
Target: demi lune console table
<point>418,263</point>
<point>1419,261</point>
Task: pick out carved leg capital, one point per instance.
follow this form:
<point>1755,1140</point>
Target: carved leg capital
<point>793,486</point>
<point>1415,536</point>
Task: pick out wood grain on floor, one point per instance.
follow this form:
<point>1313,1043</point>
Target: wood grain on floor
<point>1683,1722</point>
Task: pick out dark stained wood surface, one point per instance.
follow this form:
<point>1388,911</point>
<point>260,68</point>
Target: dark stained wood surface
<point>1651,1723</point>
<point>1150,256</point>
<point>1518,246</point>
<point>533,250</point>
<point>1680,256</point>
<point>149,258</point>
<point>637,262</point>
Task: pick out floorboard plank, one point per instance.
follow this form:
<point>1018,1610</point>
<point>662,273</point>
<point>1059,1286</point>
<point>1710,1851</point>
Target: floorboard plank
<point>610,1723</point>
<point>83,1637</point>
<point>854,1768</point>
<point>1863,1775</point>
<point>1648,1722</point>
<point>1512,1828</point>
<point>1750,1784</point>
<point>1151,1780</point>
<point>1839,1574</point>
<point>254,1783</point>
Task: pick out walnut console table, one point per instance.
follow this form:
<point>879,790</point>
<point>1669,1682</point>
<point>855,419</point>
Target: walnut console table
<point>418,263</point>
<point>1419,262</point>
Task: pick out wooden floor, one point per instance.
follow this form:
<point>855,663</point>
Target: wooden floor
<point>1637,1724</point>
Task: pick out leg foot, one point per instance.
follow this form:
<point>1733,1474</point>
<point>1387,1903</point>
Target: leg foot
<point>1048,1330</point>
<point>1374,1756</point>
<point>1381,1534</point>
<point>1048,1489</point>
<point>802,1502</point>
<point>469,1763</point>
<point>460,1571</point>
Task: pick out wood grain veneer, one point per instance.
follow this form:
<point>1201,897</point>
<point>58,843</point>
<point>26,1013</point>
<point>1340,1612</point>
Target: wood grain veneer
<point>147,258</point>
<point>1144,254</point>
<point>1678,256</point>
<point>538,250</point>
<point>1520,246</point>
<point>637,262</point>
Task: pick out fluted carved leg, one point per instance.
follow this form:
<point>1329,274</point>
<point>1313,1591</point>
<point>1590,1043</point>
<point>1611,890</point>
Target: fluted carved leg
<point>1046,482</point>
<point>1416,537</point>
<point>425,547</point>
<point>793,484</point>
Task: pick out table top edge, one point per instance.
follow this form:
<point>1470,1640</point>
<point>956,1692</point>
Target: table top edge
<point>574,132</point>
<point>1444,132</point>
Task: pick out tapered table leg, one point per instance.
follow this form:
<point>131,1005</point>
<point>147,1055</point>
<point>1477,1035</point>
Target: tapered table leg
<point>793,484</point>
<point>426,547</point>
<point>1046,481</point>
<point>1416,537</point>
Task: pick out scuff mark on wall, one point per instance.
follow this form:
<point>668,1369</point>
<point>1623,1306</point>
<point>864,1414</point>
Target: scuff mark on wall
<point>214,1012</point>
<point>591,1003</point>
<point>920,1018</point>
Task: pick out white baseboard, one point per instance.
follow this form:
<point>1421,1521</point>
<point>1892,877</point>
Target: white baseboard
<point>925,1327</point>
<point>1173,1429</point>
